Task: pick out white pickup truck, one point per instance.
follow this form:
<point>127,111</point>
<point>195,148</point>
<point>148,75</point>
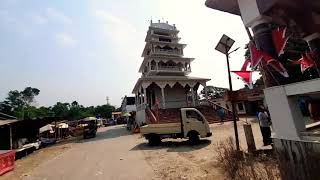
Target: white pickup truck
<point>192,125</point>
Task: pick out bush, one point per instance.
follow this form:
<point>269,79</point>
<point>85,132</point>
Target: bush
<point>243,166</point>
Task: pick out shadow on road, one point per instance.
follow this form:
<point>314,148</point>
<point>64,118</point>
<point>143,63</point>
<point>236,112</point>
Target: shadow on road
<point>108,133</point>
<point>173,146</point>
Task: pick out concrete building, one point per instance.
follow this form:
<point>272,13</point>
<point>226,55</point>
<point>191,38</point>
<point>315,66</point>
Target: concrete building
<point>128,104</point>
<point>295,141</point>
<point>165,83</point>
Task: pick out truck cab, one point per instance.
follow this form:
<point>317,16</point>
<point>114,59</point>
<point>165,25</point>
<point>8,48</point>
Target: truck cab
<point>193,121</point>
<point>192,125</point>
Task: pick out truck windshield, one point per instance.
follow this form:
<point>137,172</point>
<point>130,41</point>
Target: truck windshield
<point>194,115</point>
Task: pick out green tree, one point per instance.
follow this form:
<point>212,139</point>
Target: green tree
<point>44,112</point>
<point>28,95</point>
<point>18,102</point>
<point>104,110</point>
<point>61,109</point>
<point>5,107</point>
<point>75,110</point>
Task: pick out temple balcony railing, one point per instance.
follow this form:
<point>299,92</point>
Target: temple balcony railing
<point>167,52</point>
<point>168,69</point>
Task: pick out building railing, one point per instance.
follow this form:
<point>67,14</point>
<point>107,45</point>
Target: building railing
<point>168,51</point>
<point>170,68</point>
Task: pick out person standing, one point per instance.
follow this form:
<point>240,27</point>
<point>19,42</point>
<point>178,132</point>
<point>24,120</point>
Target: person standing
<point>221,114</point>
<point>265,122</point>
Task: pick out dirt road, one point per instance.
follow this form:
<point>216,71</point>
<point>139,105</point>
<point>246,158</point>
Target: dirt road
<point>115,154</point>
<point>107,156</point>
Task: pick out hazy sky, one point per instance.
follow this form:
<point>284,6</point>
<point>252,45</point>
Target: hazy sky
<point>86,50</point>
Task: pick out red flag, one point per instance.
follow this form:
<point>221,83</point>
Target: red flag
<point>256,55</point>
<point>276,65</point>
<point>245,65</point>
<point>245,76</point>
<point>279,39</point>
<point>267,58</point>
<point>306,61</point>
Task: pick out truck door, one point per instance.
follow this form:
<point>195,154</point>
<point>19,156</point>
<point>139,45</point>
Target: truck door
<point>193,120</point>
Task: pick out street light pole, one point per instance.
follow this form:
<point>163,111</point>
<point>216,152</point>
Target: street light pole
<point>234,117</point>
<point>224,46</point>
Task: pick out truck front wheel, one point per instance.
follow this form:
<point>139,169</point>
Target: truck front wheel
<point>193,137</point>
<point>154,140</point>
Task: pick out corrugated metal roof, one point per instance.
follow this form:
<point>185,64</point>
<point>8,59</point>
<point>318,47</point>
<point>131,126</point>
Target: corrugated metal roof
<point>8,121</point>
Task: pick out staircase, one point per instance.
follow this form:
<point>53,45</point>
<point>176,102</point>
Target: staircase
<point>172,115</point>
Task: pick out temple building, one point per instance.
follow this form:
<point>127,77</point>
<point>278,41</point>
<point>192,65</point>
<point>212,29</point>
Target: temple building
<point>165,83</point>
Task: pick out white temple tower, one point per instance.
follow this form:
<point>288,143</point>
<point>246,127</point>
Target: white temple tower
<point>165,83</point>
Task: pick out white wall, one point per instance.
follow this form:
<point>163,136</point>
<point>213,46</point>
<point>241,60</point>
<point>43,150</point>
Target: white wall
<point>175,97</point>
<point>130,108</point>
<point>249,11</point>
<point>286,116</point>
<point>141,117</point>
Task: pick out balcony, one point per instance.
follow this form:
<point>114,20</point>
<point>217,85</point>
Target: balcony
<point>168,70</point>
<point>167,52</point>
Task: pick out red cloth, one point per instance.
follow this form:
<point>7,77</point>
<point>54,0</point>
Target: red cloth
<point>257,56</point>
<point>7,161</point>
<point>306,61</point>
<point>279,40</point>
<point>245,65</point>
<point>245,76</point>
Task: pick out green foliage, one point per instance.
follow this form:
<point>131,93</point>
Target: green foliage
<point>19,104</point>
<point>105,110</point>
<point>61,109</point>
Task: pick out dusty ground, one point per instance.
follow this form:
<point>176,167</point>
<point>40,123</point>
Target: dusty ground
<point>114,154</point>
<point>175,159</point>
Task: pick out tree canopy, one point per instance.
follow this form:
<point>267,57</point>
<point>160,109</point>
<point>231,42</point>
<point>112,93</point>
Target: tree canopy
<point>21,105</point>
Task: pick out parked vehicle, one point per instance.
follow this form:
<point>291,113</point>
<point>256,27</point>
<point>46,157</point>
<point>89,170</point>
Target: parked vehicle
<point>121,120</point>
<point>90,127</point>
<point>99,122</point>
<point>192,125</point>
<point>109,122</point>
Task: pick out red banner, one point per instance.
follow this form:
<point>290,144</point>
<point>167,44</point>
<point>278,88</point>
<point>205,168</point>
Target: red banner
<point>245,76</point>
<point>6,161</point>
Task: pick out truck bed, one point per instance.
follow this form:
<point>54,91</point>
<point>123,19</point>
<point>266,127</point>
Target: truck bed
<point>168,128</point>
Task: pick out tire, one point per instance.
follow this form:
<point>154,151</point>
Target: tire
<point>154,140</point>
<point>193,138</point>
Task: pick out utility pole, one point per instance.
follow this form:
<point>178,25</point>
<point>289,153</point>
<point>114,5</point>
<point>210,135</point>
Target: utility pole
<point>107,98</point>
